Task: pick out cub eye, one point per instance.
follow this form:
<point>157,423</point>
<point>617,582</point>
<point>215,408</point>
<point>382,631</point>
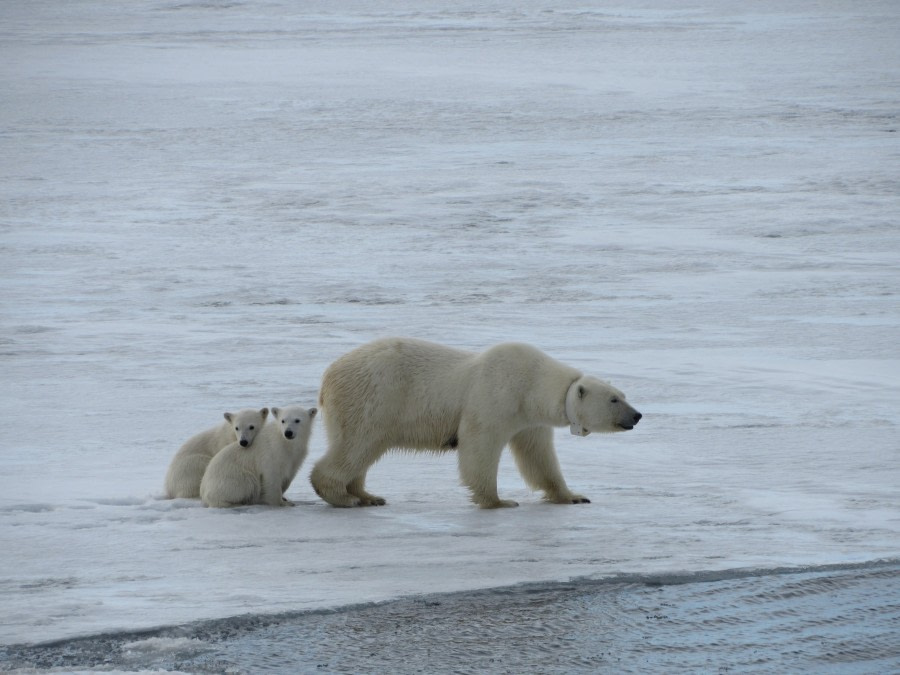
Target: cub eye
<point>296,421</point>
<point>237,428</point>
<point>614,399</point>
<point>284,421</point>
<point>252,427</point>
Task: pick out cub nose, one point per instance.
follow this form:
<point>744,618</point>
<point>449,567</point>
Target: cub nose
<point>288,433</point>
<point>244,442</point>
<point>637,417</point>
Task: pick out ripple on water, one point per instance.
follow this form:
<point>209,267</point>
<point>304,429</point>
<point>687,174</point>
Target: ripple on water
<point>844,619</point>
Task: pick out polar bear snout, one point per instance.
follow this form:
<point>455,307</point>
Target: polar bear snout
<point>288,433</point>
<point>630,420</point>
<point>244,443</point>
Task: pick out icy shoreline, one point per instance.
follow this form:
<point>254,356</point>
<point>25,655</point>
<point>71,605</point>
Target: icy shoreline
<point>838,617</point>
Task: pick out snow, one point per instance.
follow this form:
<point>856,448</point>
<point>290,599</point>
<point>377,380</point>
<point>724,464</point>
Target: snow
<point>203,204</point>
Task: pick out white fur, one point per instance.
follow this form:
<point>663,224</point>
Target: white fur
<point>262,473</point>
<point>416,395</point>
<point>189,463</point>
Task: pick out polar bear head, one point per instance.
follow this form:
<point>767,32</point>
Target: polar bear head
<point>594,405</point>
<point>295,420</point>
<point>246,424</point>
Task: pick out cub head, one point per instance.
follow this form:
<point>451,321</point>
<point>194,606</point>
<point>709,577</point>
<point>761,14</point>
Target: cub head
<point>594,405</point>
<point>246,424</point>
<point>295,420</point>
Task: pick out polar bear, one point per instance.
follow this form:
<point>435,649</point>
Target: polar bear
<point>260,474</point>
<point>189,463</point>
<point>416,395</point>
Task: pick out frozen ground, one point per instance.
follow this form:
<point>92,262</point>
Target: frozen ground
<point>202,204</point>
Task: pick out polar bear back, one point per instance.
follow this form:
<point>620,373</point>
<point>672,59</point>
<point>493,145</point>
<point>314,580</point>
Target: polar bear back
<point>417,384</point>
<point>209,441</point>
<point>411,393</point>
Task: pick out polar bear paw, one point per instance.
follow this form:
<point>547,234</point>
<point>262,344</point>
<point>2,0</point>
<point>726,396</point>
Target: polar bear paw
<point>342,501</point>
<point>568,498</point>
<point>497,503</point>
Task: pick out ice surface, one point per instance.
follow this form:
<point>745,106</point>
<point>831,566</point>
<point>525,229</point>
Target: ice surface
<point>203,204</point>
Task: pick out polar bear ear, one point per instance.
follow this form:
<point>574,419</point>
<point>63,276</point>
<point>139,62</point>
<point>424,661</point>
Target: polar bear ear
<point>312,412</point>
<point>276,413</point>
<point>229,416</point>
<point>581,391</point>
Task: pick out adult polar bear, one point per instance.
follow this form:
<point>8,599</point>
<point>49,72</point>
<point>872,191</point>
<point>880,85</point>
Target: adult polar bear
<point>417,395</point>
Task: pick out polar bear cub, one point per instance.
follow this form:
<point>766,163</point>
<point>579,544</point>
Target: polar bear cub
<point>260,474</point>
<point>187,467</point>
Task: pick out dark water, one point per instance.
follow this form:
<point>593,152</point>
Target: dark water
<point>837,619</point>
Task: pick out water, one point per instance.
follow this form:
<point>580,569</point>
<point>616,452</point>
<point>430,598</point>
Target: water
<point>830,619</point>
<point>203,204</point>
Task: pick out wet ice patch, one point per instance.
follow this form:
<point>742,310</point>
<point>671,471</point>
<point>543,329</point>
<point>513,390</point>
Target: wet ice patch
<point>121,501</point>
<point>177,647</point>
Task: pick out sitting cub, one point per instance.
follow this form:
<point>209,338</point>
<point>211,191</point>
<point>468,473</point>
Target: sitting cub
<point>263,472</point>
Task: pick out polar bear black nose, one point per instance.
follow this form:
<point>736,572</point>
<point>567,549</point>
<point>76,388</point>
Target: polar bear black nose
<point>637,417</point>
<point>244,442</point>
<point>288,433</point>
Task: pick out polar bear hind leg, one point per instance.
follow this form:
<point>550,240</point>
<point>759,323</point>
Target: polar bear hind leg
<point>184,476</point>
<point>331,485</point>
<point>340,476</point>
<point>536,459</point>
<point>233,487</point>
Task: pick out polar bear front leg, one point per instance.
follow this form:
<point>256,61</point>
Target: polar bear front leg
<point>272,494</point>
<point>479,458</point>
<point>534,454</point>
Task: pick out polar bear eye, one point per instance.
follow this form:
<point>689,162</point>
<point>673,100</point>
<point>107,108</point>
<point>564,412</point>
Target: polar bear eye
<point>252,427</point>
<point>297,421</point>
<point>614,399</point>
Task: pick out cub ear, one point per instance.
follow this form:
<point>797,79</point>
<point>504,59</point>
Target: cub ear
<point>276,413</point>
<point>581,391</point>
<point>229,417</point>
<point>312,412</point>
